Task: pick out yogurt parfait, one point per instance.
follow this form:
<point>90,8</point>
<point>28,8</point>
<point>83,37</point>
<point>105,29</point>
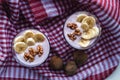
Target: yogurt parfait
<point>31,48</point>
<point>82,30</point>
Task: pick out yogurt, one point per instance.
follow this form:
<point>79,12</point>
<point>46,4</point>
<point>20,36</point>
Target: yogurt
<point>38,60</point>
<point>75,43</point>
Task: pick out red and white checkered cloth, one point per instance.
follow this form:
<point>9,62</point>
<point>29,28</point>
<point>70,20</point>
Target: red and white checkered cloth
<point>50,15</point>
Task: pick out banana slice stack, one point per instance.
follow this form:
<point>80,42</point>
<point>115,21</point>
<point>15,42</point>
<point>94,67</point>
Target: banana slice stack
<point>89,29</point>
<point>29,38</point>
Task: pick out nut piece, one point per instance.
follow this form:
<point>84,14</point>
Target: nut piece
<point>56,63</point>
<point>72,37</point>
<point>30,56</point>
<point>31,59</point>
<point>77,32</point>
<point>26,56</point>
<point>39,50</point>
<point>70,68</point>
<point>72,26</point>
<point>32,52</point>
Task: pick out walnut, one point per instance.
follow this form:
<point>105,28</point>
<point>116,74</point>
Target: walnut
<point>72,37</point>
<point>77,32</point>
<point>32,51</point>
<point>26,56</point>
<point>39,50</point>
<point>31,59</point>
<point>72,26</point>
<point>30,56</point>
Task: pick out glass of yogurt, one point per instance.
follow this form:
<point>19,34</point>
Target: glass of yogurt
<point>81,30</point>
<point>27,40</point>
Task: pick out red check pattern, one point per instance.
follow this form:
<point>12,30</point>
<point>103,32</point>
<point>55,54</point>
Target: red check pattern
<point>49,16</point>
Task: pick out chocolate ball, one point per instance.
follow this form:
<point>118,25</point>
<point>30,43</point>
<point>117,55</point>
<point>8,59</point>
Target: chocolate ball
<point>80,57</point>
<point>70,68</point>
<point>56,63</point>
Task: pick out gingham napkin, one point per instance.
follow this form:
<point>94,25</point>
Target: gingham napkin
<point>49,16</point>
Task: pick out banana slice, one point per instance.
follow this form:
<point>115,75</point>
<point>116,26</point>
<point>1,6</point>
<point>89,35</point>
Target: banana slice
<point>96,29</point>
<point>84,26</point>
<point>89,20</point>
<point>89,34</point>
<point>38,37</point>
<point>19,39</point>
<point>28,34</point>
<point>81,17</point>
<point>20,47</point>
<point>84,42</point>
<point>30,42</point>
